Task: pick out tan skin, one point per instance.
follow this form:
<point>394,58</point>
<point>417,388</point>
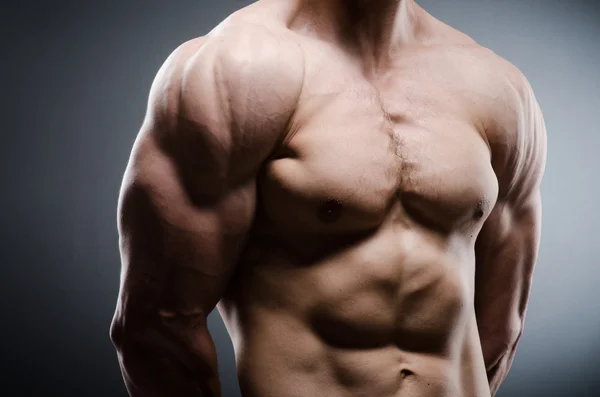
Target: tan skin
<point>355,186</point>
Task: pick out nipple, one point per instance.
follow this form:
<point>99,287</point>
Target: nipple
<point>330,211</point>
<point>479,210</point>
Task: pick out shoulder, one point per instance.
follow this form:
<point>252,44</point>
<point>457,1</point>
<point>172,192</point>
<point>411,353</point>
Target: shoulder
<point>221,103</point>
<point>503,107</point>
<point>237,66</point>
<point>513,125</point>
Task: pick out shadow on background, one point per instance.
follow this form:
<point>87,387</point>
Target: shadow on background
<point>75,81</point>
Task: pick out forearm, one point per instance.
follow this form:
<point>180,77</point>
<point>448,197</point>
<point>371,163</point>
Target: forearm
<point>497,372</point>
<point>165,362</point>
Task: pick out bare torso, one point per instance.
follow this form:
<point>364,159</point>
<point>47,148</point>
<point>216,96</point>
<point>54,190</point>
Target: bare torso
<point>358,276</point>
<point>375,178</point>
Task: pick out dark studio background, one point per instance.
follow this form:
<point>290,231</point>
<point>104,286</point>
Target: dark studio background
<point>75,76</point>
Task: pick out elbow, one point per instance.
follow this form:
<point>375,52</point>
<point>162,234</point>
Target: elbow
<point>514,331</point>
<point>129,327</point>
<point>123,332</point>
<point>126,337</point>
<point>117,333</point>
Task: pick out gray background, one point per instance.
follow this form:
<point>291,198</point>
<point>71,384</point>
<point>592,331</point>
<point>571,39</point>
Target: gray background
<point>75,77</point>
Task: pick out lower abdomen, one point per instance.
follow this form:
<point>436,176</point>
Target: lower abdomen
<point>282,357</point>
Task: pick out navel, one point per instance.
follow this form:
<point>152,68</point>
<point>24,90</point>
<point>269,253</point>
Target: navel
<point>405,373</point>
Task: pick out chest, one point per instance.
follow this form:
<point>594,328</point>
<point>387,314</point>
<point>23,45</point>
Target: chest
<point>361,150</point>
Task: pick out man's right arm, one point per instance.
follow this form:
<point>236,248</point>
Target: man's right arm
<point>186,204</point>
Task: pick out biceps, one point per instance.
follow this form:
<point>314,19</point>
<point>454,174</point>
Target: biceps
<point>506,255</point>
<point>178,250</point>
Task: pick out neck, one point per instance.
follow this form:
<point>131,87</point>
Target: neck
<point>372,27</point>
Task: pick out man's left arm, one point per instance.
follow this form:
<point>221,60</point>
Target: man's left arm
<point>507,245</point>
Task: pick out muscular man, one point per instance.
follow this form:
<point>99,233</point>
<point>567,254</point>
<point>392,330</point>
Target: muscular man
<point>354,184</point>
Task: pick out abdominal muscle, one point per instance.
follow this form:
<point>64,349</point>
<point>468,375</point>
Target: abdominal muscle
<point>389,314</point>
